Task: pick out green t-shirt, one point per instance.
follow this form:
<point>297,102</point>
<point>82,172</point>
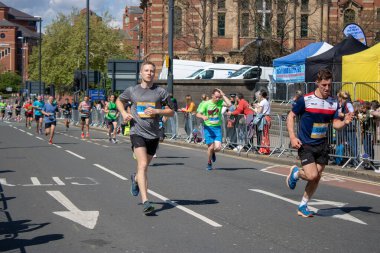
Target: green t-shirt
<point>112,111</point>
<point>3,106</point>
<point>213,111</point>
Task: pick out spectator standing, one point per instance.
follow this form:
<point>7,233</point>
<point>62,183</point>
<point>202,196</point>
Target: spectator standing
<point>189,112</point>
<point>242,108</point>
<point>263,107</point>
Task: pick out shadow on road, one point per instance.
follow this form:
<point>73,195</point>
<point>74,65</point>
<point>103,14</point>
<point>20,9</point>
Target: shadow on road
<point>342,210</point>
<point>233,169</point>
<point>168,205</point>
<point>10,229</point>
<point>179,157</point>
<point>166,164</point>
<point>6,171</point>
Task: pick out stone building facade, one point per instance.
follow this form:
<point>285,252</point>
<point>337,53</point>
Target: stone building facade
<point>226,30</point>
<point>18,34</point>
<point>132,27</point>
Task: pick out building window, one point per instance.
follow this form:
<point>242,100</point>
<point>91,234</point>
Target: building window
<point>377,37</point>
<point>280,25</point>
<point>221,24</point>
<point>221,4</point>
<point>244,5</point>
<point>245,25</point>
<point>349,16</point>
<point>177,21</point>
<point>264,15</point>
<point>378,14</point>
<point>305,5</point>
<point>304,25</point>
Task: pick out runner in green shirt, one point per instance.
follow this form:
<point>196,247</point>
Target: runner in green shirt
<point>111,116</point>
<point>211,113</point>
<point>3,106</point>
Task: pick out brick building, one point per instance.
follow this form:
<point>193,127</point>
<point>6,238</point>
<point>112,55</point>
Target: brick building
<point>226,30</point>
<point>132,27</point>
<point>18,34</point>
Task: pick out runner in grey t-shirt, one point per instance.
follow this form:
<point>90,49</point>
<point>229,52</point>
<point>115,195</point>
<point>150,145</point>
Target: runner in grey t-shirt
<point>147,103</point>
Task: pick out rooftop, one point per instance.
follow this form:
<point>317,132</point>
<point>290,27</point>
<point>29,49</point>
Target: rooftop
<point>17,14</point>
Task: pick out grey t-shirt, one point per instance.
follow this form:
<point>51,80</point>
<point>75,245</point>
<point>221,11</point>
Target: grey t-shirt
<point>144,125</point>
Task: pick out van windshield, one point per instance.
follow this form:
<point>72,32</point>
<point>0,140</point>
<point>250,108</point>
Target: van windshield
<point>195,73</point>
<point>239,72</point>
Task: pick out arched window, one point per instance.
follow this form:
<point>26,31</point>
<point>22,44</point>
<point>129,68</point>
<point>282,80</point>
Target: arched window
<point>177,21</point>
<point>349,16</point>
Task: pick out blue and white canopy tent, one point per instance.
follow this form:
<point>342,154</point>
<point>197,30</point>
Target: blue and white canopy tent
<point>291,68</point>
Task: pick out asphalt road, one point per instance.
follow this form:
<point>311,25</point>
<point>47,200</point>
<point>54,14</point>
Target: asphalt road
<point>74,196</point>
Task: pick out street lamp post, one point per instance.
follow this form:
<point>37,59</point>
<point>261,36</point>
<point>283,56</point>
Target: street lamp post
<point>40,52</point>
<point>22,58</point>
<point>87,43</point>
<point>259,43</point>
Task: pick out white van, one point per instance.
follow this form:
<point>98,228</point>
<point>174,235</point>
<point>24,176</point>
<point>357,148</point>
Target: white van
<point>216,71</point>
<point>182,68</point>
<point>251,72</point>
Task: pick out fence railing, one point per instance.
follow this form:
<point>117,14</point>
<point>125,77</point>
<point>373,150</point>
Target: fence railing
<point>357,145</point>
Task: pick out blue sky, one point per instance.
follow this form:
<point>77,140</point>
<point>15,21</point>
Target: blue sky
<point>48,9</point>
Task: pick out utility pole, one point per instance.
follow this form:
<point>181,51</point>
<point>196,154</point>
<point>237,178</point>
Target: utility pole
<point>87,44</point>
<point>170,48</point>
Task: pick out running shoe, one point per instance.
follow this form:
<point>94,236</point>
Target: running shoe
<point>291,181</point>
<point>87,135</point>
<point>213,158</point>
<point>82,135</point>
<point>30,127</point>
<point>148,207</point>
<point>110,139</point>
<point>209,166</point>
<point>114,141</point>
<point>305,212</point>
<point>134,186</point>
<point>40,131</point>
<point>50,142</point>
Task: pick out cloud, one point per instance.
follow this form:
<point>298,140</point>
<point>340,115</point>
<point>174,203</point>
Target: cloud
<point>48,9</point>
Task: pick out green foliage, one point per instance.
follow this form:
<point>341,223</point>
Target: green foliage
<point>64,48</point>
<point>10,79</point>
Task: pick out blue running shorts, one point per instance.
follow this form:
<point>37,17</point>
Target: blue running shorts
<point>212,134</point>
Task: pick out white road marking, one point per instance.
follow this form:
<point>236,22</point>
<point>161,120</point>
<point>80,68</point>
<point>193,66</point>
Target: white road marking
<point>3,181</point>
<point>21,130</point>
<point>58,181</point>
<point>271,172</point>
<point>105,146</point>
<point>110,171</point>
<point>29,134</point>
<point>87,219</point>
<point>55,145</point>
<point>371,194</point>
<point>74,154</point>
<point>335,213</point>
<point>39,138</point>
<point>186,210</point>
<point>36,182</point>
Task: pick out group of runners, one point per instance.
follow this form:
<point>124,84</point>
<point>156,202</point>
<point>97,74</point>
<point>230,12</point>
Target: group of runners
<point>315,110</point>
<point>151,103</point>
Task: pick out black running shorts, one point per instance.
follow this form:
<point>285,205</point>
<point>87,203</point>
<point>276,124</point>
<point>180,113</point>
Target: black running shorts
<point>48,125</point>
<point>37,117</point>
<point>151,145</point>
<point>314,154</point>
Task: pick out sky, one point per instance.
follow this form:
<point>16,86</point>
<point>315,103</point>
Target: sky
<point>48,9</point>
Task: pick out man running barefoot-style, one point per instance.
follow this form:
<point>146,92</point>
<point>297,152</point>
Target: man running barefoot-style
<point>211,113</point>
<point>147,102</point>
<point>316,110</point>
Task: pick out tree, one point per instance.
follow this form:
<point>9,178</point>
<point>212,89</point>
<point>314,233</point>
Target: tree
<point>64,48</point>
<point>10,79</point>
<point>198,14</point>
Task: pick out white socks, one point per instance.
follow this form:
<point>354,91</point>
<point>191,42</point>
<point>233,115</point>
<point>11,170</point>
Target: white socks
<point>304,201</point>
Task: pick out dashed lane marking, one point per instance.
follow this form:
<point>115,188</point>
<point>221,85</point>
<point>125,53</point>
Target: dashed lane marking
<point>110,171</point>
<point>39,138</point>
<point>74,154</point>
<point>367,193</point>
